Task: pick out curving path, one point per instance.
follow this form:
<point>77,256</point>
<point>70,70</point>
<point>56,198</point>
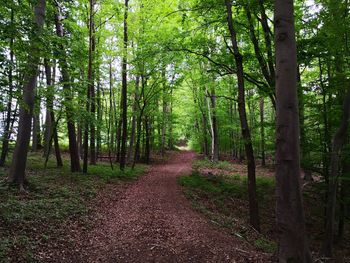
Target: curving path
<point>152,221</point>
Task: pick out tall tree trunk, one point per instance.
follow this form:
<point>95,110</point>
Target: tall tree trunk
<point>7,131</point>
<point>134,119</point>
<point>91,81</point>
<point>253,202</point>
<point>215,156</point>
<point>164,114</point>
<point>124,91</point>
<point>262,131</point>
<point>19,160</point>
<point>289,206</point>
<point>49,98</point>
<point>338,141</point>
<point>170,124</point>
<point>36,129</point>
<point>50,124</point>
<point>147,140</point>
<point>73,146</point>
<point>98,121</point>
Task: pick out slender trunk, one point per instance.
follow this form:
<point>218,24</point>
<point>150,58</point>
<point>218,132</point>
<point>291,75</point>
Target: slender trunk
<point>124,91</point>
<point>91,81</point>
<point>268,42</point>
<point>290,218</point>
<point>147,140</point>
<point>36,130</point>
<point>19,160</point>
<point>51,126</point>
<point>262,131</point>
<point>164,115</point>
<point>215,156</point>
<point>98,122</point>
<point>73,146</point>
<point>133,122</point>
<point>253,201</point>
<point>170,124</point>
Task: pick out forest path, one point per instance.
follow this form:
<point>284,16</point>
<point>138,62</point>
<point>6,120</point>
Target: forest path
<point>152,221</point>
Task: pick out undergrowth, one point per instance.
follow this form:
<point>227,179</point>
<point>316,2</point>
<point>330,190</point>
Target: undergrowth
<point>224,201</point>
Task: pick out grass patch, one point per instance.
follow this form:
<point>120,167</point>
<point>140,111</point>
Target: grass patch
<point>206,163</point>
<point>266,245</point>
<point>223,199</point>
<point>56,200</point>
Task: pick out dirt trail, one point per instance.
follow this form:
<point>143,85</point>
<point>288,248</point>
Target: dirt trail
<point>152,221</point>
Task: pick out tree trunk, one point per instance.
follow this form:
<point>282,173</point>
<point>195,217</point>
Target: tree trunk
<point>19,160</point>
<point>73,146</point>
<point>36,130</point>
<point>50,124</point>
<point>289,206</point>
<point>133,122</point>
<point>253,202</point>
<point>215,156</point>
<point>124,91</point>
<point>337,145</point>
<point>147,140</point>
<point>91,81</point>
<point>262,131</point>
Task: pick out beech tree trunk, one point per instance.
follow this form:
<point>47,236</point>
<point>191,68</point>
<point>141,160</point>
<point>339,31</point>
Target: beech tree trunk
<point>215,153</point>
<point>19,159</point>
<point>50,123</point>
<point>124,98</point>
<point>292,244</point>
<point>253,201</point>
<point>262,131</point>
<point>91,81</point>
<point>133,122</point>
<point>73,146</point>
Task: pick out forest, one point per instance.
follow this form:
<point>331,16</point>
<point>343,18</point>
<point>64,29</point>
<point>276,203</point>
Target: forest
<point>174,131</point>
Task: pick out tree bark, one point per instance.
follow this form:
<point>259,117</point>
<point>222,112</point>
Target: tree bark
<point>292,245</point>
<point>50,124</point>
<point>122,161</point>
<point>91,81</point>
<point>73,146</point>
<point>253,202</point>
<point>262,131</point>
<point>19,160</point>
<point>134,120</point>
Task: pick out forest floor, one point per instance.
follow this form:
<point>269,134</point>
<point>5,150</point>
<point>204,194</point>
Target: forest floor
<point>152,221</point>
<point>183,209</point>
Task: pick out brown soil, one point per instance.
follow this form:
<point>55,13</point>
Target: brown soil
<point>152,221</point>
